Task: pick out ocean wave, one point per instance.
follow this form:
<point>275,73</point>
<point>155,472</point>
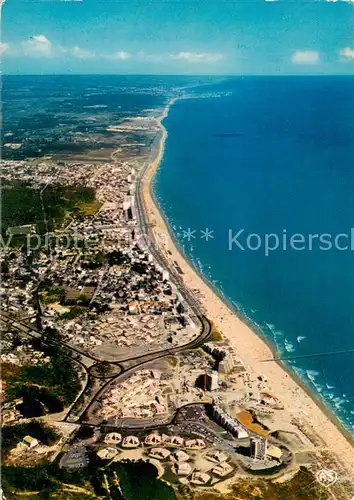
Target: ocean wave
<point>329,397</point>
<point>96,106</point>
<point>312,374</point>
<point>289,347</point>
<point>300,371</point>
<point>338,402</point>
<point>196,262</point>
<point>274,331</point>
<point>270,326</point>
<point>276,335</point>
<point>238,306</point>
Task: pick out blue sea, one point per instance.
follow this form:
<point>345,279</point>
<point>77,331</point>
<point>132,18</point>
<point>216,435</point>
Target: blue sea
<point>273,156</point>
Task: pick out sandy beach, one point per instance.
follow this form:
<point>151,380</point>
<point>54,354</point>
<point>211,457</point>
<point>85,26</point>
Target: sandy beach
<point>251,348</point>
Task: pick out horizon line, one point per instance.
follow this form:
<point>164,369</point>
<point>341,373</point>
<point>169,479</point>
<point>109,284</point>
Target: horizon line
<point>226,75</point>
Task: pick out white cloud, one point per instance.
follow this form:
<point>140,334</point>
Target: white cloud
<point>37,46</point>
<point>81,53</point>
<point>121,55</point>
<point>347,54</point>
<point>41,46</point>
<point>3,47</point>
<point>305,57</point>
<point>196,57</point>
<point>190,57</point>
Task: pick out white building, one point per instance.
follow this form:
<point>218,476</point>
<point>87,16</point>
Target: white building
<point>258,448</point>
<point>107,453</point>
<point>216,456</point>
<point>130,442</point>
<point>113,438</point>
<point>222,469</point>
<point>30,441</point>
<point>228,423</point>
<point>159,453</point>
<point>212,381</point>
<point>176,440</point>
<point>200,478</point>
<point>181,456</point>
<point>241,433</point>
<point>153,438</point>
<point>182,469</point>
<point>226,365</point>
<point>196,444</point>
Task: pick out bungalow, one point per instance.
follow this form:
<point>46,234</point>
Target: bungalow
<point>196,444</point>
<point>159,453</point>
<point>182,469</point>
<point>113,438</point>
<point>181,456</point>
<point>153,438</point>
<point>222,469</point>
<point>30,441</point>
<point>200,478</point>
<point>107,453</point>
<point>130,442</point>
<point>176,440</point>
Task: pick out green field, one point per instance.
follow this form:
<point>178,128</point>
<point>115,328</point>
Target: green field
<point>22,205</point>
<point>11,435</point>
<point>136,480</point>
<point>44,387</point>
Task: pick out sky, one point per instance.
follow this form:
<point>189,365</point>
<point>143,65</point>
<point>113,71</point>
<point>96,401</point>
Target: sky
<point>177,37</point>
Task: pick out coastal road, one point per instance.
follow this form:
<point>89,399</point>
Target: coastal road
<point>140,361</point>
<point>193,304</point>
<point>151,245</point>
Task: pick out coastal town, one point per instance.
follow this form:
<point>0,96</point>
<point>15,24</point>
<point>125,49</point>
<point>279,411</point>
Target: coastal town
<point>157,372</point>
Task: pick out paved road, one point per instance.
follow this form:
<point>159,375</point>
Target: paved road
<point>33,332</point>
<point>139,360</point>
<point>151,245</point>
<point>201,321</point>
<point>143,360</point>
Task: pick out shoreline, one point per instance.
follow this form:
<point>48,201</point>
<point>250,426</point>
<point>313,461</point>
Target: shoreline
<point>298,399</point>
